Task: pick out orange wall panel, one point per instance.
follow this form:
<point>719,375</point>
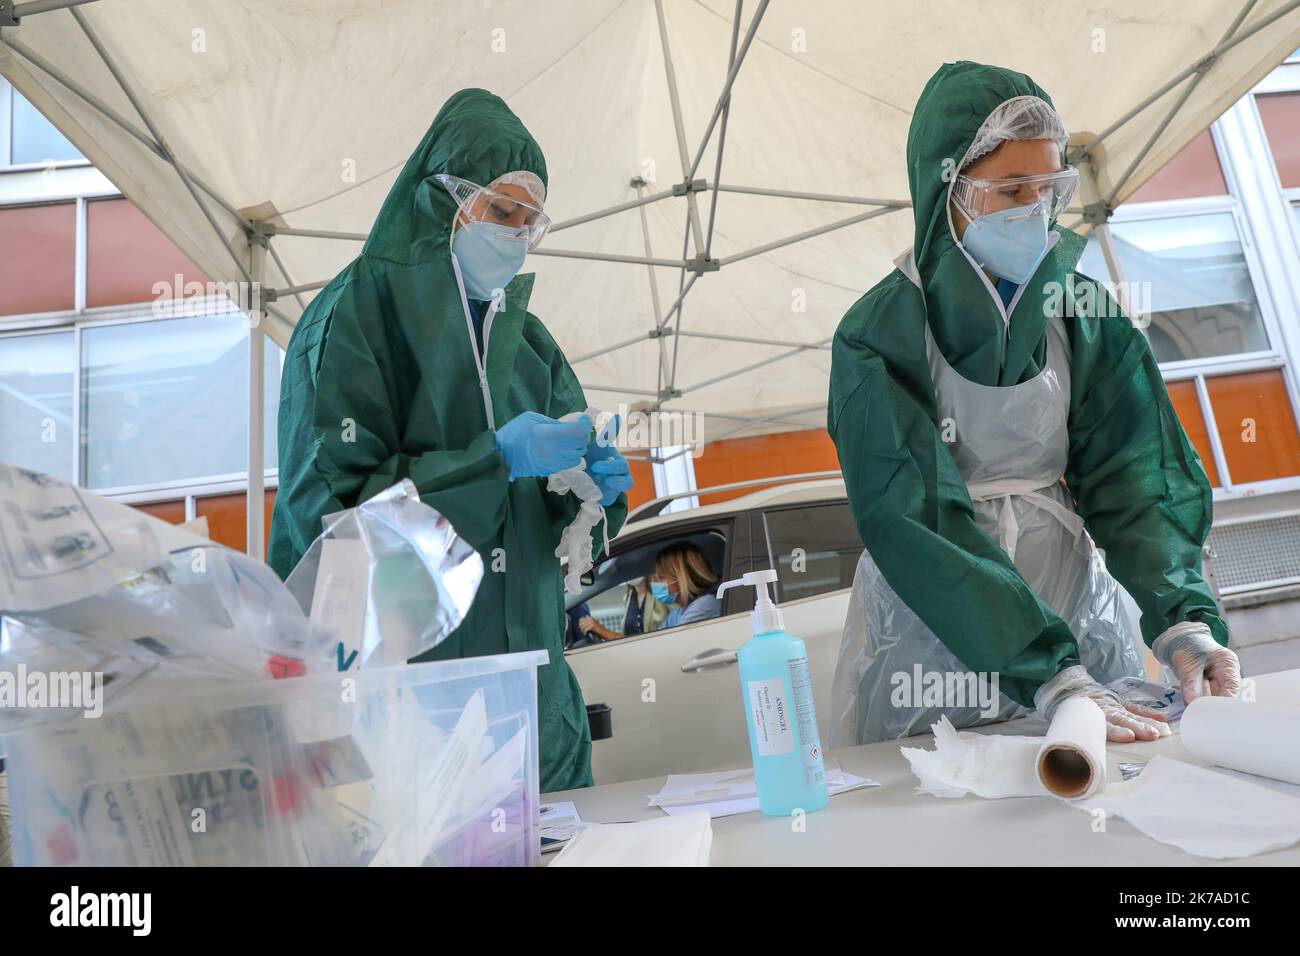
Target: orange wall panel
<point>643,489</point>
<point>1257,425</point>
<point>743,459</point>
<point>173,512</point>
<point>225,514</point>
<point>1183,396</point>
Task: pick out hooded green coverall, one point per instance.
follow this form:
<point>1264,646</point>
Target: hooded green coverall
<point>380,384</point>
<point>1134,477</point>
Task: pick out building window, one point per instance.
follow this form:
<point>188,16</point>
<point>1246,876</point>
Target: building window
<point>32,138</point>
<point>1202,303</point>
<point>36,388</point>
<point>167,400</point>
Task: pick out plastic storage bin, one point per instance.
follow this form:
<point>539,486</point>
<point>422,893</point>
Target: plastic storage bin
<point>419,764</point>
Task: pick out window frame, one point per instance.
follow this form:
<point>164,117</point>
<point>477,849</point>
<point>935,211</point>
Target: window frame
<point>1237,138</point>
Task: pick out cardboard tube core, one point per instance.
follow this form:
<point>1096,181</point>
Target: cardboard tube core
<point>1064,771</point>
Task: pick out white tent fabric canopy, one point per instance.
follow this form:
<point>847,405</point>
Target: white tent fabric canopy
<point>301,114</point>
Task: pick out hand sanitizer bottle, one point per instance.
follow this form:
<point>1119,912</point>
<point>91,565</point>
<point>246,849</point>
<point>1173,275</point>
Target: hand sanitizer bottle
<point>777,689</point>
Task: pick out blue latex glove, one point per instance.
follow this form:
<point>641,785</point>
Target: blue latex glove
<point>534,445</point>
<point>612,476</point>
<point>602,446</point>
<point>606,464</point>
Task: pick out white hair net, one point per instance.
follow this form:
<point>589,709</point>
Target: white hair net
<point>531,182</point>
<point>1022,117</point>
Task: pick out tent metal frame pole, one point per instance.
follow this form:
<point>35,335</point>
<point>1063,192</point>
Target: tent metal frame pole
<point>655,305</point>
<point>749,368</point>
<point>722,130</point>
<point>749,340</point>
<point>779,417</point>
<point>255,514</point>
<point>818,197</point>
<point>11,14</point>
<point>1204,63</point>
<point>1183,97</point>
<point>611,257</point>
<point>284,273</point>
<point>295,289</point>
<point>641,200</point>
<point>158,138</point>
<point>809,234</point>
<point>316,233</point>
<point>620,388</point>
<point>117,118</point>
<point>612,348</point>
<point>692,209</point>
<point>725,97</point>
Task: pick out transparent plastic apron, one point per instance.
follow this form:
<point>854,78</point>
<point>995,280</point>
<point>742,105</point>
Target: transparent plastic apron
<point>1011,447</point>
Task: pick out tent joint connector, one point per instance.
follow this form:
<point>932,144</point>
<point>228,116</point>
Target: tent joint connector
<point>659,332</point>
<point>7,18</point>
<point>700,265</point>
<point>1097,213</point>
<point>1205,62</point>
<point>259,233</point>
<point>690,186</point>
<point>669,393</point>
<point>269,294</point>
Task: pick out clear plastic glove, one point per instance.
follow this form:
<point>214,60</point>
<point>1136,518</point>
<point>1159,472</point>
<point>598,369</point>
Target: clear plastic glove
<point>534,445</point>
<point>1203,665</point>
<point>1125,723</point>
<point>613,478</point>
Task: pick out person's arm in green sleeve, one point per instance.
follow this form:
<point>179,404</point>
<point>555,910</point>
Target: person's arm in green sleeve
<point>1136,479</point>
<point>358,433</point>
<point>916,519</point>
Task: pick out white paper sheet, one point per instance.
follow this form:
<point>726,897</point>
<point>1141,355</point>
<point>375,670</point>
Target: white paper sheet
<point>666,841</point>
<point>1203,812</point>
<point>724,793</point>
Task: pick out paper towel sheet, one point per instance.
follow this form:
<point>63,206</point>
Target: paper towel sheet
<point>1203,812</point>
<point>666,841</point>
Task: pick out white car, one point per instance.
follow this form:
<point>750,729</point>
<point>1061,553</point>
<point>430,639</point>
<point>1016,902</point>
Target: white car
<point>674,695</point>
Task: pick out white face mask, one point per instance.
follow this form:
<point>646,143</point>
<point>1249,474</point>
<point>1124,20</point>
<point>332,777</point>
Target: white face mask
<point>490,255</point>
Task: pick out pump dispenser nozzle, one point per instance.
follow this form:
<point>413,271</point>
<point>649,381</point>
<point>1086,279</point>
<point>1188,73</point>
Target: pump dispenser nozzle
<point>766,616</point>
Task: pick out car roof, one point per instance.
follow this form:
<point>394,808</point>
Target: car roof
<point>825,489</point>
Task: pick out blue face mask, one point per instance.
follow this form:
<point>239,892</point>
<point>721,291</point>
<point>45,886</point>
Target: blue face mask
<point>1010,242</point>
<point>489,257</point>
<point>660,591</point>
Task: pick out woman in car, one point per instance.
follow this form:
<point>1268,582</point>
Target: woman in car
<point>641,614</point>
<point>685,581</point>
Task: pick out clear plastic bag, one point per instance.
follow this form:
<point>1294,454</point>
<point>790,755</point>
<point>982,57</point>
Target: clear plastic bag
<point>387,580</point>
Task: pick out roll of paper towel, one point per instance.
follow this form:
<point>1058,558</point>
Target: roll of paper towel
<point>1072,760</point>
<point>1254,738</point>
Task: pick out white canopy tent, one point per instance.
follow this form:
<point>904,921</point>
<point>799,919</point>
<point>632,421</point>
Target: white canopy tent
<point>727,176</point>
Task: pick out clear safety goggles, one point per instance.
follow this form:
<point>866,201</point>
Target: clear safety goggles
<point>979,197</point>
<point>518,218</point>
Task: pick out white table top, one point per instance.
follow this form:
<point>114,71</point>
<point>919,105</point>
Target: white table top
<point>896,826</point>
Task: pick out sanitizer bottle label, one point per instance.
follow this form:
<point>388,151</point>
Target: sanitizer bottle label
<point>771,710</point>
<point>814,768</point>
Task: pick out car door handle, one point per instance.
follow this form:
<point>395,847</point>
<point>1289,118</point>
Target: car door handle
<point>713,658</point>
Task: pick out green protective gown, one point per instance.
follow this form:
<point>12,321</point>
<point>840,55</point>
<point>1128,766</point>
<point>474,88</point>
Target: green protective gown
<point>380,384</point>
<point>1135,478</point>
